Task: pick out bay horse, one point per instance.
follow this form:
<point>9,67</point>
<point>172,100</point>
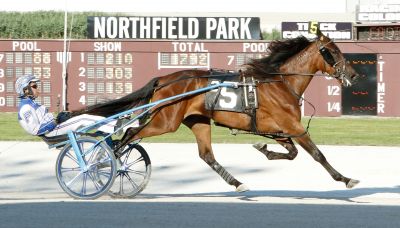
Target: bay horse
<point>282,77</point>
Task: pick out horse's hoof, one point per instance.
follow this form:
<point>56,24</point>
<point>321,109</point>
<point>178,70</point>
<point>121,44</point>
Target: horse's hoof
<point>260,146</point>
<point>242,188</point>
<point>352,183</point>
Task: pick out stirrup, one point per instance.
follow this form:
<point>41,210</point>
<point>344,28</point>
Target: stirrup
<point>117,153</point>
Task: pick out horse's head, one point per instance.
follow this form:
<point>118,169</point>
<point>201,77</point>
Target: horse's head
<point>334,62</point>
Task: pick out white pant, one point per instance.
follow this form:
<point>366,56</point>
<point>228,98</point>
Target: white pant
<point>84,120</point>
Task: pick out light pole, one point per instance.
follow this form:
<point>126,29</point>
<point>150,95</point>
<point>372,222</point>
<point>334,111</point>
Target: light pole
<point>64,62</point>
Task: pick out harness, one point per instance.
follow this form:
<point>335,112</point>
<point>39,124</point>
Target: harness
<point>339,75</point>
<point>242,99</point>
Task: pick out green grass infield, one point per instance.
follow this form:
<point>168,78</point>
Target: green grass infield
<point>365,131</point>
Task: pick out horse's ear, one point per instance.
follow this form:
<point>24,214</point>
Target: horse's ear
<point>320,35</point>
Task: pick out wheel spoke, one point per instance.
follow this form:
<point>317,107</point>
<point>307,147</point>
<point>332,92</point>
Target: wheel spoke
<point>68,155</point>
<point>121,186</point>
<point>83,189</point>
<point>104,161</point>
<point>141,173</point>
<point>127,156</point>
<point>92,155</point>
<point>104,173</point>
<point>135,186</point>
<point>63,170</point>
<point>95,182</point>
<point>89,150</point>
<point>140,159</point>
<point>73,179</point>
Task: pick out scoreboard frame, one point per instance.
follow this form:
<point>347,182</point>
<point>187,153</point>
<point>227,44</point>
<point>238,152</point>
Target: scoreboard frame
<point>99,70</point>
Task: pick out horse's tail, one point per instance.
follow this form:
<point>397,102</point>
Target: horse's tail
<point>111,107</point>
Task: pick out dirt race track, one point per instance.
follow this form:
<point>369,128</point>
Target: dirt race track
<point>182,183</point>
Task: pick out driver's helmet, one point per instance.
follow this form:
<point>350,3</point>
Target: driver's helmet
<point>22,82</point>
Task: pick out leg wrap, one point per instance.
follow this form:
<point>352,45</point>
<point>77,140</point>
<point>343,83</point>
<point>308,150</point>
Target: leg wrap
<point>223,173</point>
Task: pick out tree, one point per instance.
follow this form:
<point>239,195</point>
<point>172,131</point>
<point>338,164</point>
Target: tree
<point>275,34</point>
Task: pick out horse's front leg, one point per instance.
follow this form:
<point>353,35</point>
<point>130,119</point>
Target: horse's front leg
<point>287,143</point>
<point>308,145</point>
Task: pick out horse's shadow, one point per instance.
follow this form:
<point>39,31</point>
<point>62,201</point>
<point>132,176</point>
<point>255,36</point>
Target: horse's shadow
<point>341,195</point>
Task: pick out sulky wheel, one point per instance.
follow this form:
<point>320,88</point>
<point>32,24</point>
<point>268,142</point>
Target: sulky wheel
<point>133,172</point>
<point>88,182</point>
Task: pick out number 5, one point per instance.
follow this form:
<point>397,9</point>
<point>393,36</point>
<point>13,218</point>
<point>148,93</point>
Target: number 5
<point>229,99</point>
<point>312,27</point>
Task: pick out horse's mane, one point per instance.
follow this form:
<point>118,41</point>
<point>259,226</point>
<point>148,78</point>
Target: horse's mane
<point>278,52</point>
<point>129,101</point>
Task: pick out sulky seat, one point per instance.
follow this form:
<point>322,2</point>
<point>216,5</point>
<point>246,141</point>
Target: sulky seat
<point>54,140</point>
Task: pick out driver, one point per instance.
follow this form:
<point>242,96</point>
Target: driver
<point>36,120</point>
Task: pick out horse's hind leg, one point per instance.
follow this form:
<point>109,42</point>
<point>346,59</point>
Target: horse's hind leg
<point>313,150</point>
<point>287,143</point>
<point>201,128</point>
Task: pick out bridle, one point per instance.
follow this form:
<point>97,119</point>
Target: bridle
<point>340,72</point>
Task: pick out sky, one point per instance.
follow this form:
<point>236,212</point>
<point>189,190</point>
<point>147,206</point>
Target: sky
<point>211,6</point>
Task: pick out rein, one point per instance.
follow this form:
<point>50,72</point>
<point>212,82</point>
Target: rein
<point>237,74</point>
<point>303,74</point>
<point>196,77</point>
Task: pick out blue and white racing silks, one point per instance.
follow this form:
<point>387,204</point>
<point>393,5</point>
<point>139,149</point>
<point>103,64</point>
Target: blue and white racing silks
<point>34,118</point>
